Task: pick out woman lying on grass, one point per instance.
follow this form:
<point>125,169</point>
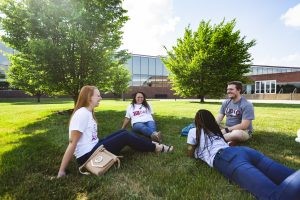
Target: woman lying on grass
<point>250,169</point>
<point>83,139</point>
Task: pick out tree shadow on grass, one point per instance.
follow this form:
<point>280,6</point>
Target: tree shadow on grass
<point>279,146</point>
<point>28,171</point>
<point>33,101</point>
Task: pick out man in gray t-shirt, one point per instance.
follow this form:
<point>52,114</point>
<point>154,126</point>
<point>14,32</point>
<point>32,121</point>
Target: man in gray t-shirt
<point>239,114</point>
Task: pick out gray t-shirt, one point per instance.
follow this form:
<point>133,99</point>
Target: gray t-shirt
<point>236,112</point>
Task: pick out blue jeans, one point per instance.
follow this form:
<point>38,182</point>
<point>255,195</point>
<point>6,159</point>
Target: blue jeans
<point>261,176</point>
<point>145,128</point>
<point>117,141</point>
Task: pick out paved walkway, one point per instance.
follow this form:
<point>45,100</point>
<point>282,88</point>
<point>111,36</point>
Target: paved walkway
<point>252,100</point>
<point>262,101</point>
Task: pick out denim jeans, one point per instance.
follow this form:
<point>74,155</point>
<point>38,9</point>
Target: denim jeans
<point>145,128</point>
<point>117,141</point>
<point>260,175</point>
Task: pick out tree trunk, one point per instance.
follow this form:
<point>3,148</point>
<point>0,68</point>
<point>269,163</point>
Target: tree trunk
<point>201,99</point>
<point>123,96</point>
<point>75,98</point>
<point>38,97</point>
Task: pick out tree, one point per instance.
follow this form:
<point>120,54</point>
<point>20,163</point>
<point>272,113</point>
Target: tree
<point>202,62</point>
<point>2,75</point>
<point>69,43</point>
<point>119,81</point>
<point>23,75</point>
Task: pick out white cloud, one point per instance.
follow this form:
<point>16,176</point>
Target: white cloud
<point>150,21</point>
<point>292,60</point>
<point>292,17</point>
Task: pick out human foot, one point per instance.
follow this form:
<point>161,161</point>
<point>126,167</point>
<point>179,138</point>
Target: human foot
<point>156,136</point>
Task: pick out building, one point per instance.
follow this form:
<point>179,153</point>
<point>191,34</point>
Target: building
<point>150,75</point>
<point>273,80</point>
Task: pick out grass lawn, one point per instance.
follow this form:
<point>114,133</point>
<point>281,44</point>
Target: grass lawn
<point>33,138</point>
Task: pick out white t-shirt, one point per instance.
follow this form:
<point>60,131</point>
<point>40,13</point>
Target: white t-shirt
<point>139,113</point>
<point>207,151</point>
<point>83,121</point>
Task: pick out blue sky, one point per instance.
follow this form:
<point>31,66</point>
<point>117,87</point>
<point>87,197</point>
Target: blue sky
<point>274,24</point>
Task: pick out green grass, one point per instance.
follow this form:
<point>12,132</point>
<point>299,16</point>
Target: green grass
<point>33,138</point>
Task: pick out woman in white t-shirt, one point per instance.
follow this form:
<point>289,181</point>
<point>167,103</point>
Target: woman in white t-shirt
<point>250,169</point>
<point>83,137</point>
<point>140,113</point>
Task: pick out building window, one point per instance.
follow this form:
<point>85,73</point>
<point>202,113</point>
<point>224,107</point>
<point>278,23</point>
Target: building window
<point>147,71</point>
<point>265,87</point>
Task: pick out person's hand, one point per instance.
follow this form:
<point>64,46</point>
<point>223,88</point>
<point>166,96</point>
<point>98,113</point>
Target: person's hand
<point>61,174</point>
<point>223,131</point>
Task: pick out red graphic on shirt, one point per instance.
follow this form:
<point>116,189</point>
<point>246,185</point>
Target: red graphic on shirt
<point>232,112</point>
<point>139,112</point>
<point>135,113</point>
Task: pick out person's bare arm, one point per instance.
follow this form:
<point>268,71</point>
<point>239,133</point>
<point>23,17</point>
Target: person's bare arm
<point>219,119</point>
<point>191,150</point>
<point>75,136</point>
<point>125,122</point>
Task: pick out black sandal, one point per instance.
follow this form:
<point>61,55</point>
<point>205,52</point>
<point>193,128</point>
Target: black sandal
<point>167,149</point>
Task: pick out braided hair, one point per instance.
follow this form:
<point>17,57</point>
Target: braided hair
<point>206,121</point>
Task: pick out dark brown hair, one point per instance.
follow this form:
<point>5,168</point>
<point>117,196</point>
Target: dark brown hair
<point>238,85</point>
<point>144,103</point>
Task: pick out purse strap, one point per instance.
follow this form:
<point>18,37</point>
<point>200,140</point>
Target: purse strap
<point>100,148</point>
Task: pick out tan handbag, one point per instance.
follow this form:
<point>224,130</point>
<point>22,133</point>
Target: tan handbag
<point>99,162</point>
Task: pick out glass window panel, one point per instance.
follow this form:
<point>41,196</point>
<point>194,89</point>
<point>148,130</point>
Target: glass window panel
<point>257,87</point>
<point>270,70</point>
<point>265,70</point>
<point>152,66</point>
<point>259,71</point>
<point>159,67</point>
<point>136,65</point>
<point>262,87</point>
<point>136,80</point>
<point>268,87</point>
<point>144,79</point>
<point>273,86</point>
<point>254,71</point>
<point>144,65</point>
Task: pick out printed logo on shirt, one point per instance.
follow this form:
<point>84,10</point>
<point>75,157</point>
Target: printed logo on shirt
<point>232,112</point>
<point>139,112</point>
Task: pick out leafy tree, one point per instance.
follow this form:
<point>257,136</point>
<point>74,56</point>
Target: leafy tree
<point>24,75</point>
<point>202,62</point>
<point>69,43</point>
<point>119,81</point>
<point>3,83</point>
<point>2,75</point>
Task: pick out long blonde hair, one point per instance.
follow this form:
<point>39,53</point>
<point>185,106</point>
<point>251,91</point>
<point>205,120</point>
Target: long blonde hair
<point>84,98</point>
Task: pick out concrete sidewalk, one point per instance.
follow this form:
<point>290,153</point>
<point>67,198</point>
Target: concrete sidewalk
<point>261,101</point>
<point>251,100</point>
